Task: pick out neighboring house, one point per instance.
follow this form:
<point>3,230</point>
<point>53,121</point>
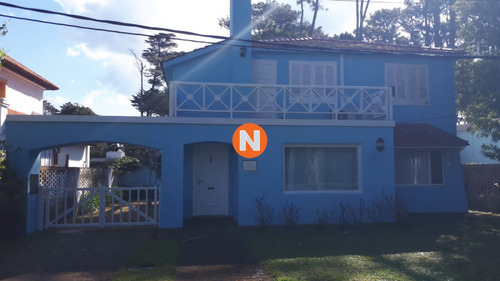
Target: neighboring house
<point>324,104</point>
<point>472,154</point>
<point>21,90</point>
<point>75,156</point>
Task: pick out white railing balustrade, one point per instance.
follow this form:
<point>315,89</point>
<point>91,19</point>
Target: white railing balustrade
<point>191,99</point>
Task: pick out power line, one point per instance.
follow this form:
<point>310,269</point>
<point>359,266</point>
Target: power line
<point>225,41</point>
<point>112,22</point>
<point>100,29</point>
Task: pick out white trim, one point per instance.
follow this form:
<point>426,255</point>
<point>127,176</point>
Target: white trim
<point>319,145</point>
<point>198,121</point>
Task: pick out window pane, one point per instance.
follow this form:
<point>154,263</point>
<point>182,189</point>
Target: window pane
<point>321,168</point>
<point>436,167</point>
<point>412,166</point>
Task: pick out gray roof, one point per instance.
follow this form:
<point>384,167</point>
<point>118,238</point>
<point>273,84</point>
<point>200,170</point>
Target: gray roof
<point>425,135</point>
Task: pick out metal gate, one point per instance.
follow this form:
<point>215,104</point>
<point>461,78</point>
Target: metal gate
<point>98,206</point>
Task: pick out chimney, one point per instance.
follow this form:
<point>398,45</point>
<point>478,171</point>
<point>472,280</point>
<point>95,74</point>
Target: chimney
<point>241,19</point>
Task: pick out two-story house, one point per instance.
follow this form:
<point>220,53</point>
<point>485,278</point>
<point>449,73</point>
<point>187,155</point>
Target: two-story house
<point>21,91</point>
<point>345,120</point>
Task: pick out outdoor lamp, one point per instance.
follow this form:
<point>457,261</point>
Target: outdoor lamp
<point>243,51</point>
<point>380,144</point>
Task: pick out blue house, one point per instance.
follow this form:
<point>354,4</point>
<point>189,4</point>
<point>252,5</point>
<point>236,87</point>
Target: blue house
<point>344,120</point>
<point>324,104</point>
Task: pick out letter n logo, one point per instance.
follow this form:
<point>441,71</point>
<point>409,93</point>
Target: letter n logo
<point>249,140</point>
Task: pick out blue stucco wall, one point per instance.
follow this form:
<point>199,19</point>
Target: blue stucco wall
<point>446,198</point>
<point>174,141</point>
<point>359,70</point>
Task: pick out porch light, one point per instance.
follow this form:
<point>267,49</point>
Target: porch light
<point>243,51</point>
<point>380,144</point>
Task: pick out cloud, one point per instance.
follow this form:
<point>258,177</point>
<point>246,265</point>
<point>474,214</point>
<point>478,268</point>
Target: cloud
<point>72,51</point>
<point>80,6</point>
<point>107,101</point>
<point>57,101</point>
<point>90,98</point>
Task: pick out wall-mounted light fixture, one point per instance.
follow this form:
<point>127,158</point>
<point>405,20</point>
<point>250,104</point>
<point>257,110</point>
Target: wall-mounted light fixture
<point>243,51</point>
<point>380,144</point>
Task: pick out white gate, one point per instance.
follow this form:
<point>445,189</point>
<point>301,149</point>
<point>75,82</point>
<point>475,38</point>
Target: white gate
<point>98,206</point>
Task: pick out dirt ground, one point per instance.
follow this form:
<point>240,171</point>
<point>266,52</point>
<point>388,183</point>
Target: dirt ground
<point>210,250</point>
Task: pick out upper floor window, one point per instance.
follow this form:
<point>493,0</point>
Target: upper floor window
<point>312,73</point>
<point>409,83</point>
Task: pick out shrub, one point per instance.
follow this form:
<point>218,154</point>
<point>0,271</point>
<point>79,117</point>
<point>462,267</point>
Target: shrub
<point>262,211</point>
<point>12,200</point>
<point>289,214</point>
<point>325,217</point>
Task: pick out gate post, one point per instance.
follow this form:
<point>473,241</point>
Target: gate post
<point>41,202</point>
<point>102,205</point>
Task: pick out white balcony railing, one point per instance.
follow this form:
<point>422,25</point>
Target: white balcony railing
<point>191,99</point>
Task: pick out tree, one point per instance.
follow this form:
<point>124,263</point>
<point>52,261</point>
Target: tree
<point>361,10</point>
<point>154,102</point>
<point>301,23</point>
<point>315,6</point>
<point>385,26</point>
<point>3,32</point>
<point>477,83</point>
<point>49,109</point>
<point>75,109</point>
<point>271,19</point>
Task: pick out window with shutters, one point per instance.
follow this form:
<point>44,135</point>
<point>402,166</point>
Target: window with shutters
<point>310,76</point>
<point>409,83</point>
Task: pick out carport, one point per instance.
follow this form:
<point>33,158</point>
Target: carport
<point>28,135</point>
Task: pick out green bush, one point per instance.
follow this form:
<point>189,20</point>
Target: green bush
<point>12,201</point>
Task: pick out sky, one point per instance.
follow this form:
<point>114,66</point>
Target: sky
<point>97,69</point>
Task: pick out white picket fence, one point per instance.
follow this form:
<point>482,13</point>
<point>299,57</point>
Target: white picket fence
<point>98,206</point>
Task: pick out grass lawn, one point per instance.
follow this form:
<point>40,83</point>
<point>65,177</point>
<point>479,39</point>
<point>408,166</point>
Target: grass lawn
<point>428,247</point>
<point>155,260</point>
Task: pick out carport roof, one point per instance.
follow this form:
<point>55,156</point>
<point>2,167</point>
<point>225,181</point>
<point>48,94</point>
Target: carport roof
<point>424,135</point>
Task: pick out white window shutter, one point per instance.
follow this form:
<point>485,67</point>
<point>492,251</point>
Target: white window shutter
<point>295,71</point>
<point>423,83</point>
<point>306,74</point>
<point>400,82</point>
<point>331,74</point>
<point>412,82</point>
<point>390,78</point>
<point>319,75</point>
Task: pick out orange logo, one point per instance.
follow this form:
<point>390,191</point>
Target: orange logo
<point>249,140</point>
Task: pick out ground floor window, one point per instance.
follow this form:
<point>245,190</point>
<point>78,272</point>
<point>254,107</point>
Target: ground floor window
<point>321,168</point>
<point>418,167</point>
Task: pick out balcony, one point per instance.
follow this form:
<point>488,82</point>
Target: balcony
<point>214,100</point>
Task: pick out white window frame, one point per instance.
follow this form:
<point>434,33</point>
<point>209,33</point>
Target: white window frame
<point>359,167</point>
<point>402,79</point>
<point>429,164</point>
<point>314,81</point>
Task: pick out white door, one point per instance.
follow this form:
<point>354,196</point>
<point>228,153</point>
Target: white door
<point>264,73</point>
<point>211,179</point>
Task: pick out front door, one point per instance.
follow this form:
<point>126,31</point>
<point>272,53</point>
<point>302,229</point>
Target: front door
<point>210,179</point>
